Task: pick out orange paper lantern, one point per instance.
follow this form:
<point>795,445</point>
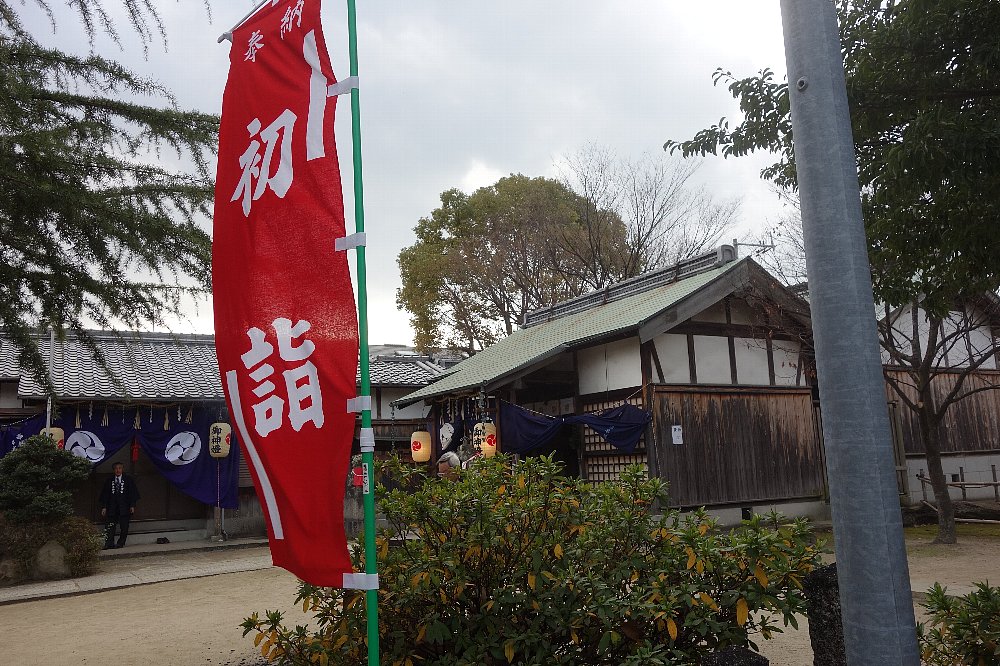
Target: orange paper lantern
<point>420,446</point>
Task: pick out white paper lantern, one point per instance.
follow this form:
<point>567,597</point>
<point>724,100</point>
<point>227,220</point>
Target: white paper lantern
<point>220,437</point>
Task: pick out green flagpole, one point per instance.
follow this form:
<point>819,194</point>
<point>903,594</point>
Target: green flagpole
<point>367,456</point>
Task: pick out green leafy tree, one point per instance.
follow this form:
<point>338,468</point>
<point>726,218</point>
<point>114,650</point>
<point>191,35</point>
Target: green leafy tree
<point>483,260</point>
<point>514,563</point>
<point>94,228</point>
<point>37,480</point>
<point>923,83</point>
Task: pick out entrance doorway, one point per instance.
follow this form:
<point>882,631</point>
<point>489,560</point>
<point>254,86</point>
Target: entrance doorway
<point>159,499</point>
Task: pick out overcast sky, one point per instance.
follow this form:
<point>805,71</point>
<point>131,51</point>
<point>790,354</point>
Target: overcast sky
<point>460,93</point>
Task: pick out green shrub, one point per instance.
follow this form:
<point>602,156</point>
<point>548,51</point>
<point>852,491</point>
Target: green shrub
<point>512,563</point>
<point>963,630</point>
<point>82,541</point>
<point>36,482</point>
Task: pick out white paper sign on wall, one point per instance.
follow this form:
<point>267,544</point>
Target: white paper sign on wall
<point>677,434</point>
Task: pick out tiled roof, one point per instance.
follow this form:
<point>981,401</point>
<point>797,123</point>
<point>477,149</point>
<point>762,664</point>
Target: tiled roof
<point>401,372</point>
<point>162,367</point>
<point>529,346</point>
<point>148,366</point>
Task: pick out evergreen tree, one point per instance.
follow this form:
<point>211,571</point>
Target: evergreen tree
<point>36,482</point>
<point>94,228</point>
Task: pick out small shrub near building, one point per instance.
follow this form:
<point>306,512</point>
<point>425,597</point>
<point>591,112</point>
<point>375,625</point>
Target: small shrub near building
<point>36,510</point>
<point>513,563</point>
<point>962,630</point>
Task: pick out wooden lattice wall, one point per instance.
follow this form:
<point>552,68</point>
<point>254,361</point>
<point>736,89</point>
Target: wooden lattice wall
<point>602,461</point>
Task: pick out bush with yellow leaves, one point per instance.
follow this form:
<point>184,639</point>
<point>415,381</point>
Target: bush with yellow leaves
<point>513,563</point>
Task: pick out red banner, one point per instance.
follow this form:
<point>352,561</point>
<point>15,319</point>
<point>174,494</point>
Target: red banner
<point>286,328</point>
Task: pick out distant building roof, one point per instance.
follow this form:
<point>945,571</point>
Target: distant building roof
<point>800,289</point>
<point>402,371</point>
<point>163,367</point>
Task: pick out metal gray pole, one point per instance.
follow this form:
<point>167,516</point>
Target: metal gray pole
<point>871,558</point>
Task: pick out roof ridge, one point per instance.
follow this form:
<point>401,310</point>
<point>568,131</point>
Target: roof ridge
<point>132,336</point>
<point>659,277</point>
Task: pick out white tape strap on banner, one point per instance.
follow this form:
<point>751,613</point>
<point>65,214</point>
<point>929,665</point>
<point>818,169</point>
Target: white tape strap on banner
<point>360,581</point>
<point>367,439</point>
<point>359,404</point>
<point>343,86</point>
<point>359,239</point>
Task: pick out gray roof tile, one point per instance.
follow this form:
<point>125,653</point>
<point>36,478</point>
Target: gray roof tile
<point>162,367</point>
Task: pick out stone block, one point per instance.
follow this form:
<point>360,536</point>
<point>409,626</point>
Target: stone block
<point>50,562</point>
<point>826,632</point>
<point>10,572</point>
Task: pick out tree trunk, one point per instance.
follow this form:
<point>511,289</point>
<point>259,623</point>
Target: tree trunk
<point>932,448</point>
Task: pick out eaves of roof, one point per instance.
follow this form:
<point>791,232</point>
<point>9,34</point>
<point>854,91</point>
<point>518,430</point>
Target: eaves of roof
<point>529,347</point>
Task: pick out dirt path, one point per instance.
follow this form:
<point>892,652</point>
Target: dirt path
<point>973,560</point>
<point>195,621</point>
<point>184,622</point>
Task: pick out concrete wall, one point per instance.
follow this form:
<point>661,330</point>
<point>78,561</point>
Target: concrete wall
<point>976,467</point>
<point>814,510</point>
<point>786,363</point>
<point>672,351</point>
<point>616,365</point>
<point>711,355</point>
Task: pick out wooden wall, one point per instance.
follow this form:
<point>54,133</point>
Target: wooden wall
<point>741,445</point>
<point>971,425</point>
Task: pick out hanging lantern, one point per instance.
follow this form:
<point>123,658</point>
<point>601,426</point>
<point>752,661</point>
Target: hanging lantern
<point>135,450</point>
<point>219,438</point>
<point>420,446</point>
<point>58,436</point>
<point>484,438</point>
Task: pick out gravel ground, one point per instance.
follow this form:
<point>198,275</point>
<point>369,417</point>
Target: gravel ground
<point>195,621</point>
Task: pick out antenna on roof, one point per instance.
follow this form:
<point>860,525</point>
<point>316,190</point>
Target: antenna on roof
<point>762,246</point>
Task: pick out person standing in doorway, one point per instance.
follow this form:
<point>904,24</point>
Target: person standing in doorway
<point>118,498</point>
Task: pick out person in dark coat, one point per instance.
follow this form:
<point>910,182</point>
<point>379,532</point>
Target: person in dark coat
<point>118,498</point>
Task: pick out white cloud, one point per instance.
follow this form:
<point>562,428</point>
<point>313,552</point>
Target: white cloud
<point>458,94</point>
<point>479,175</point>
